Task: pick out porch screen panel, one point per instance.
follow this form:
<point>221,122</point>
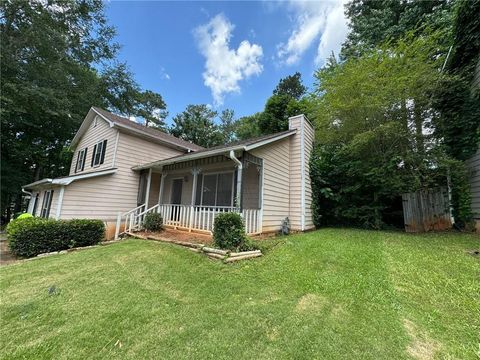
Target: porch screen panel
<point>198,192</point>
<point>224,189</point>
<point>209,189</point>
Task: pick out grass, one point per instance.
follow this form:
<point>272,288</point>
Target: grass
<point>331,294</point>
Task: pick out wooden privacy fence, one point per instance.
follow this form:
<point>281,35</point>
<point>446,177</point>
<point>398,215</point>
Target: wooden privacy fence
<point>426,210</point>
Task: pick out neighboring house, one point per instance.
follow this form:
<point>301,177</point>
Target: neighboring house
<point>474,163</point>
<point>122,170</point>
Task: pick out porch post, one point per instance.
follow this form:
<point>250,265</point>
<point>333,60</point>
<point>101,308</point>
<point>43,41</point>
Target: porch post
<point>162,185</point>
<point>147,193</point>
<point>195,172</point>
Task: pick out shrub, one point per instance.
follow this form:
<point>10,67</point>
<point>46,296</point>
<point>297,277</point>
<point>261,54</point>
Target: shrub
<point>153,222</point>
<point>229,232</point>
<point>32,236</point>
<point>24,216</point>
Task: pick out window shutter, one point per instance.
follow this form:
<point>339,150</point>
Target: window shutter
<point>49,204</point>
<point>93,155</point>
<point>84,158</point>
<point>42,209</point>
<point>78,160</point>
<point>104,149</point>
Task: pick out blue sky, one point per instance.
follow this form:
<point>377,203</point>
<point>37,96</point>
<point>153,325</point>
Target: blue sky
<point>225,54</point>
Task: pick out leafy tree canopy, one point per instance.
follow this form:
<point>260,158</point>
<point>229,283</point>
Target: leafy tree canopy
<point>58,59</point>
<point>197,124</point>
<point>291,86</point>
<point>375,121</point>
<point>373,22</point>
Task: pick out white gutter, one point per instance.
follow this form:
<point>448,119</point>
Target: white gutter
<point>239,177</point>
<point>207,153</point>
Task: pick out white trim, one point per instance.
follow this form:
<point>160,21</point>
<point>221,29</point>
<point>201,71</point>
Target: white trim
<point>115,149</point>
<point>302,166</point>
<point>203,154</point>
<point>86,124</point>
<point>69,179</point>
<point>59,203</point>
<point>163,141</point>
<point>268,141</point>
<point>162,185</point>
<point>147,193</point>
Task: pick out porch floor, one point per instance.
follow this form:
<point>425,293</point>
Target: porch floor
<point>179,235</point>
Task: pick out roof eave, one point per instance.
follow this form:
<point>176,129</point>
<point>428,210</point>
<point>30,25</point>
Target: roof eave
<point>203,154</point>
<point>165,142</point>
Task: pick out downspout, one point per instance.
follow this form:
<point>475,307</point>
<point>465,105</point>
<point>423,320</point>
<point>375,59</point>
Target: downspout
<point>239,177</point>
<point>30,203</point>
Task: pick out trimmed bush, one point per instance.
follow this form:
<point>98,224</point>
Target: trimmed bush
<point>153,222</point>
<point>32,236</point>
<point>229,232</point>
<point>23,216</point>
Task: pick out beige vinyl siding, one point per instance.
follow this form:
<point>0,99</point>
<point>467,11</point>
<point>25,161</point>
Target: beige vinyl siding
<point>276,183</point>
<point>308,144</point>
<point>93,135</point>
<point>296,173</point>
<point>104,196</point>
<point>474,166</point>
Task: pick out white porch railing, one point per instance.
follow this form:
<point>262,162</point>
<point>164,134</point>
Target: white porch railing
<point>188,217</point>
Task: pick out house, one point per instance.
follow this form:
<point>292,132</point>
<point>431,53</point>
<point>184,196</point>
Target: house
<point>473,163</point>
<point>122,170</point>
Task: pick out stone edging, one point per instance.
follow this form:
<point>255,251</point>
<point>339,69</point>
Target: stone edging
<point>103,243</point>
<point>225,255</point>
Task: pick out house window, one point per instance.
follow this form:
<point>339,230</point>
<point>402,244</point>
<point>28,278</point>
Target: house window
<point>215,189</point>
<point>98,156</point>
<point>35,204</point>
<point>81,158</point>
<point>46,204</point>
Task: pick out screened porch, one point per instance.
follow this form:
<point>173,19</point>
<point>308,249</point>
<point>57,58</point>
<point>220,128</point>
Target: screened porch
<point>190,194</point>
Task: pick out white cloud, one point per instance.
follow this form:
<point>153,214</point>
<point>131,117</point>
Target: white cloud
<point>225,67</point>
<point>323,22</point>
<point>163,74</point>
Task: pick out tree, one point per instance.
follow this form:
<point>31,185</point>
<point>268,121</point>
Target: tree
<point>374,131</point>
<point>57,60</point>
<point>152,109</point>
<point>373,22</point>
<point>247,127</point>
<point>197,124</point>
<point>227,125</point>
<point>291,86</point>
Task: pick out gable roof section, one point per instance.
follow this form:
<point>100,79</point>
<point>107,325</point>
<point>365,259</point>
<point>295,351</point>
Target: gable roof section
<point>245,145</point>
<point>132,128</point>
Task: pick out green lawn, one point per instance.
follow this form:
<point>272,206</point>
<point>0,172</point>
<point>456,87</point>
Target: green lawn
<point>331,294</point>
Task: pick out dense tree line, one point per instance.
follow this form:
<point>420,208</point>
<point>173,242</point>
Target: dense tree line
<point>57,59</point>
<point>397,113</point>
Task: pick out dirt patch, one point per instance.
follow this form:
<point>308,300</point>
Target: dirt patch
<point>474,252</point>
<point>421,347</point>
<point>311,302</point>
<point>180,236</point>
<point>6,257</point>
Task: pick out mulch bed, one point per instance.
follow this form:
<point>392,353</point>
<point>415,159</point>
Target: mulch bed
<point>178,235</point>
